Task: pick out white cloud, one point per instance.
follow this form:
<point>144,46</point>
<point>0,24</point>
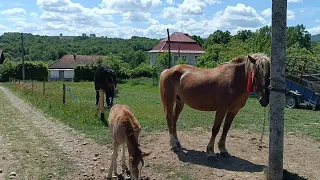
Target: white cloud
<point>186,9</point>
<point>69,18</point>
<point>291,15</point>
<point>138,17</point>
<point>130,5</point>
<point>314,30</point>
<point>317,21</point>
<point>2,27</point>
<point>266,13</point>
<point>169,1</point>
<point>240,16</point>
<point>13,12</point>
<point>33,14</point>
<point>295,1</point>
<point>212,1</point>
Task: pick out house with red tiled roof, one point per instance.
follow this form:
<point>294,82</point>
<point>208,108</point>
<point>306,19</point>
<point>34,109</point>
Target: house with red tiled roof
<point>63,69</point>
<point>181,46</point>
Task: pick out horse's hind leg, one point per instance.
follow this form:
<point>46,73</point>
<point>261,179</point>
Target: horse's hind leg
<point>177,110</point>
<point>215,129</point>
<point>169,103</point>
<point>222,142</point>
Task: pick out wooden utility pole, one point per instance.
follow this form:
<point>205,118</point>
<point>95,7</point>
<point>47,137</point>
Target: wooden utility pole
<point>277,96</point>
<point>169,62</point>
<point>22,50</point>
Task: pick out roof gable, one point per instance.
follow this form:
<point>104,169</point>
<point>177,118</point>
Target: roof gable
<point>69,61</point>
<point>179,37</point>
<point>179,42</point>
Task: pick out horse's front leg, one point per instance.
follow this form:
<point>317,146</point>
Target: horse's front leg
<point>215,129</point>
<point>222,142</point>
<point>113,166</point>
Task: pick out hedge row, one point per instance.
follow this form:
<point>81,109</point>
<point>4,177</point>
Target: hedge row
<point>86,73</point>
<point>34,70</point>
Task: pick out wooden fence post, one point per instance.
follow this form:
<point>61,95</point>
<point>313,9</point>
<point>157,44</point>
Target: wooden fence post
<point>101,104</point>
<point>64,94</point>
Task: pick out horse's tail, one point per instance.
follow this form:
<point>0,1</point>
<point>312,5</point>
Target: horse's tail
<point>161,88</point>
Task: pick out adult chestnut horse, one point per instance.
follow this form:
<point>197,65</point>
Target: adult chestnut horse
<point>224,89</point>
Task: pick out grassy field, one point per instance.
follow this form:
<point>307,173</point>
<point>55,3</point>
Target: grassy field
<point>144,100</point>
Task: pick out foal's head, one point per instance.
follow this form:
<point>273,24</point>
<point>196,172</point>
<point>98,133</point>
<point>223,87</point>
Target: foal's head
<point>136,156</point>
<point>261,76</point>
<point>136,163</point>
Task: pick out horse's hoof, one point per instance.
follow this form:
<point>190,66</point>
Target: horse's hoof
<point>225,154</point>
<point>175,149</point>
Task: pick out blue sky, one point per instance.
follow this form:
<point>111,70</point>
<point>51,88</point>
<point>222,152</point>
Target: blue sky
<point>151,18</point>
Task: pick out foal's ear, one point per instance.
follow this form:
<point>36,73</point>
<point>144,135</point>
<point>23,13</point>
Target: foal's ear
<point>252,59</point>
<point>130,159</point>
<point>143,154</point>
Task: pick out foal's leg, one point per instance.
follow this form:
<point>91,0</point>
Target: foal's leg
<point>222,142</point>
<point>114,156</point>
<point>215,129</point>
<point>123,159</point>
<point>177,110</point>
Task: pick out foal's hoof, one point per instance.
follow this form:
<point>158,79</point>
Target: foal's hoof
<point>175,149</point>
<point>178,144</point>
<point>225,154</point>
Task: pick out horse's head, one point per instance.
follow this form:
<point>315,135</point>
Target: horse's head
<point>261,76</point>
<point>136,163</point>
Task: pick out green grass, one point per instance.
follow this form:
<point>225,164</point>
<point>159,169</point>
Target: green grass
<point>143,98</point>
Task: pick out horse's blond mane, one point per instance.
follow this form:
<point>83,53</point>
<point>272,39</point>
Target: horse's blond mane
<point>239,59</point>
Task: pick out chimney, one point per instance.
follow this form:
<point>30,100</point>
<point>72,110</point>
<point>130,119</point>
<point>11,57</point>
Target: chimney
<point>74,57</point>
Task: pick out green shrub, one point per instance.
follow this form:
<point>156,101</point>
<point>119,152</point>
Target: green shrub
<point>34,70</point>
<point>84,73</point>
<point>143,70</point>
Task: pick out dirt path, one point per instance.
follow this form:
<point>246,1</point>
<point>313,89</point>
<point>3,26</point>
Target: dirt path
<point>36,147</point>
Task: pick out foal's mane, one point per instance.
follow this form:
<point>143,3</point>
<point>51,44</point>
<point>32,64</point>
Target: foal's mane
<point>130,126</point>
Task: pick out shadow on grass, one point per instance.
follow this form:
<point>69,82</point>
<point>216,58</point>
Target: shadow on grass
<point>231,164</point>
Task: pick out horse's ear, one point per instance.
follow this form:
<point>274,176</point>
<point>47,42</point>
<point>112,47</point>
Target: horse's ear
<point>252,59</point>
<point>143,154</point>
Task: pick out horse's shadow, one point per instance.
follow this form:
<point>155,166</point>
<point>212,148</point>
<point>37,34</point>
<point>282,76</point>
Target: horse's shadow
<point>231,163</point>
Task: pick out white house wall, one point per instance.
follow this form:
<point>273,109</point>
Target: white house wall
<point>68,74</point>
<point>175,56</point>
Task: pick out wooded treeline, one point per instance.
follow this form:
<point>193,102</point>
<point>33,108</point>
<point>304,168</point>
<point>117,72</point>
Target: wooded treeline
<point>130,55</point>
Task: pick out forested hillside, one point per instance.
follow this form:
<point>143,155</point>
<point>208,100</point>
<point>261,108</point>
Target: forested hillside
<point>220,46</point>
<point>50,48</point>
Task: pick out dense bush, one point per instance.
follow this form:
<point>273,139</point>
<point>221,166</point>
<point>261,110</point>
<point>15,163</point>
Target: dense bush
<point>143,70</point>
<point>84,73</point>
<point>33,71</point>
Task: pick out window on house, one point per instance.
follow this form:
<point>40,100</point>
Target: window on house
<point>195,57</point>
<point>184,57</point>
<point>61,74</point>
